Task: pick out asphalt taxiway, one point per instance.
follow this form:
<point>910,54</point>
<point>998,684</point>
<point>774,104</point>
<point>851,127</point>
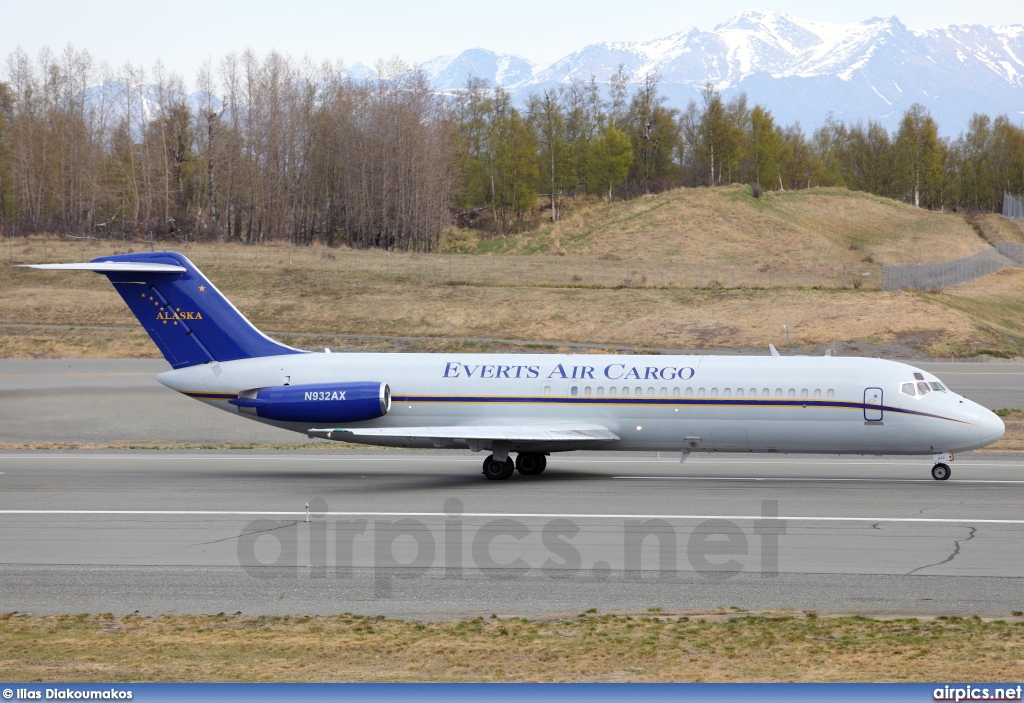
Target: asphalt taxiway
<point>424,535</point>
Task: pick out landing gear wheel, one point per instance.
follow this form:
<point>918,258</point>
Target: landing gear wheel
<point>531,464</point>
<point>941,472</point>
<point>496,470</point>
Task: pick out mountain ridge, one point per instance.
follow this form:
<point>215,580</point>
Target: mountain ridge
<point>800,69</point>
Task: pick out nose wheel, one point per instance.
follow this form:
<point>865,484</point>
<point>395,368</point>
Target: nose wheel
<point>941,472</point>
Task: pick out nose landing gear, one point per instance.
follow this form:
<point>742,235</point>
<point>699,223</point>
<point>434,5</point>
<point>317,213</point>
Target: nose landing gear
<point>941,471</point>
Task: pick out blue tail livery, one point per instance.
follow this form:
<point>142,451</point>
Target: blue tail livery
<point>187,317</point>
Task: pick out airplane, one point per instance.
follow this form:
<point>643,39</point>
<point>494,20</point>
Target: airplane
<point>535,405</point>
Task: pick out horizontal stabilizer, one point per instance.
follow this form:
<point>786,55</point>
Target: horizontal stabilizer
<point>110,267</point>
<point>575,433</point>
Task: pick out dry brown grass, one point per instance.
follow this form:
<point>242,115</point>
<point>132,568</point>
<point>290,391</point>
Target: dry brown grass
<point>660,647</point>
<point>1013,440</point>
<point>997,229</point>
<point>794,229</point>
<point>312,298</point>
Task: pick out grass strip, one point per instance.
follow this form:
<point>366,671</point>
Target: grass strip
<point>726,645</point>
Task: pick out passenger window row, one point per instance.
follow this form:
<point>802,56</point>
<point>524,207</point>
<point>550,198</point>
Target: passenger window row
<point>663,392</point>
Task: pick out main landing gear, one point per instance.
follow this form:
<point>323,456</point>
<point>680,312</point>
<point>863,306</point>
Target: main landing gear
<point>528,464</point>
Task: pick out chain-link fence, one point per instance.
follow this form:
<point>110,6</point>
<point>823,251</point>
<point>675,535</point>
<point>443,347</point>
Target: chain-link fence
<point>1013,206</point>
<point>953,273</point>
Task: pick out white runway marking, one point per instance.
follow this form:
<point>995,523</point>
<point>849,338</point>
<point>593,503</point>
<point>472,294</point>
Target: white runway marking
<point>577,516</point>
<point>797,478</point>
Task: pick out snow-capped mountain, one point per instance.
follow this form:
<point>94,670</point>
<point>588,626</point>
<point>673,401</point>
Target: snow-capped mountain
<point>800,70</point>
<point>451,72</point>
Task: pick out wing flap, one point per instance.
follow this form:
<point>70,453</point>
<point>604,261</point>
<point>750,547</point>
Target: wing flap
<point>510,433</point>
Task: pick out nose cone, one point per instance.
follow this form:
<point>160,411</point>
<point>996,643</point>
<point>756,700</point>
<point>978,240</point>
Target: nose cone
<point>990,427</point>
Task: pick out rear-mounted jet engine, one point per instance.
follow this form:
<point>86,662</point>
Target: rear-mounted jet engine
<point>317,402</point>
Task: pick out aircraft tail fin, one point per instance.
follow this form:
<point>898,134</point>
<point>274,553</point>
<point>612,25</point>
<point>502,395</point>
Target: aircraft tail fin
<point>187,317</point>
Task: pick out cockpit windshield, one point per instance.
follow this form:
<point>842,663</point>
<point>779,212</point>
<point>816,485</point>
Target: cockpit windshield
<point>919,387</point>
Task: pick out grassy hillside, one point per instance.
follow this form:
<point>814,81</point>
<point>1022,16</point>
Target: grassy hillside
<point>790,229</point>
<point>986,316</point>
<point>316,292</point>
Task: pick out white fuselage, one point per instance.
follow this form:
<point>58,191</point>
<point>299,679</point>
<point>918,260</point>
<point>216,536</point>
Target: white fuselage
<point>833,405</point>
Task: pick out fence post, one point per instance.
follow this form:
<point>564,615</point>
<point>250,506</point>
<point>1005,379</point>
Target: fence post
<point>771,274</point>
<point>662,274</point>
<point>701,274</point>
<point>389,263</point>
<point>733,276</point>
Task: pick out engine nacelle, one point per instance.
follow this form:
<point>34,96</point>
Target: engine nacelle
<point>317,402</point>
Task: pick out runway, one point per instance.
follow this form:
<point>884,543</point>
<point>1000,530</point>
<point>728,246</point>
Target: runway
<point>424,535</point>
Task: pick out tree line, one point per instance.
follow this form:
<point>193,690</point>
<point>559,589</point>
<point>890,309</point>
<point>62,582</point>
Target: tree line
<point>272,148</point>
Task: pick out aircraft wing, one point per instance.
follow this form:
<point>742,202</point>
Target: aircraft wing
<point>580,432</point>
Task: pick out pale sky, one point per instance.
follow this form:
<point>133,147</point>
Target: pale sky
<point>184,33</point>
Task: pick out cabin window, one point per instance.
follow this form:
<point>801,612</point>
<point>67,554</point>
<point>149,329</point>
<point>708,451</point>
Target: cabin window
<point>803,393</point>
<point>753,392</point>
<point>650,392</point>
<point>907,388</point>
<point>817,392</point>
<point>923,388</point>
<point>739,392</point>
<point>586,391</point>
<point>714,392</point>
<point>625,392</point>
<point>727,392</point>
<point>600,390</point>
<point>778,392</point>
<point>701,392</point>
<point>612,390</point>
<point>765,393</point>
<point>675,392</point>
<point>638,392</point>
<point>831,393</point>
<point>575,390</point>
<point>547,390</point>
<point>689,392</point>
<point>792,393</point>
